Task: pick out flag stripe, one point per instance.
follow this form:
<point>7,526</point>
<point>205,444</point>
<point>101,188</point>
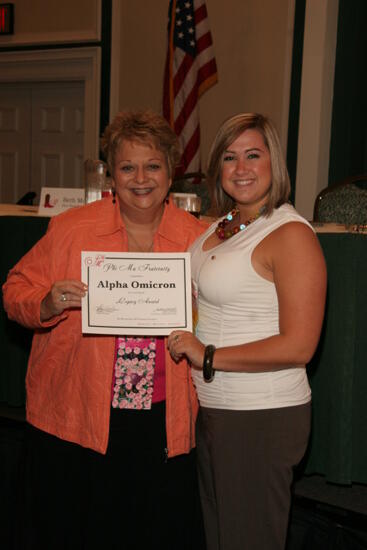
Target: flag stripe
<point>182,72</point>
<point>204,42</point>
<point>200,14</point>
<point>188,107</point>
<point>206,78</point>
<point>191,149</point>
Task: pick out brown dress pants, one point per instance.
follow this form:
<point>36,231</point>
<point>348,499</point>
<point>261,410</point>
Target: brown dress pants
<point>245,464</point>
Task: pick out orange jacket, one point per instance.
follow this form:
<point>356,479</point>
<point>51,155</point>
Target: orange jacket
<point>69,374</point>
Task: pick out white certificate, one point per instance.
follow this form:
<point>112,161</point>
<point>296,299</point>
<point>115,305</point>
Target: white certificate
<point>136,294</point>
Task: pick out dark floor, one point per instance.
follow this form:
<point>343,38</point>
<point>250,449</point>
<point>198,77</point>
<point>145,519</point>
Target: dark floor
<point>324,515</point>
<point>14,413</point>
<point>352,498</point>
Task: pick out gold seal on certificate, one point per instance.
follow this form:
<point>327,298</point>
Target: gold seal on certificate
<point>132,293</point>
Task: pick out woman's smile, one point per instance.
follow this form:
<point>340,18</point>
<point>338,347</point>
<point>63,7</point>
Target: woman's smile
<point>243,182</point>
<point>142,191</point>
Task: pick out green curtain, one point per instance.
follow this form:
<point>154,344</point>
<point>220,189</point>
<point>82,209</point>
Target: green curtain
<point>348,146</point>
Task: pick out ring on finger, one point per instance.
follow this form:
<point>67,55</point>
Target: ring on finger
<point>62,298</point>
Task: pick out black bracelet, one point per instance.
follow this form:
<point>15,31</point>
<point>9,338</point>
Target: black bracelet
<point>208,371</point>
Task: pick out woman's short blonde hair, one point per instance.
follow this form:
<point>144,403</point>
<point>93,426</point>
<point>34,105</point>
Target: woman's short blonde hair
<point>144,126</point>
<point>230,130</point>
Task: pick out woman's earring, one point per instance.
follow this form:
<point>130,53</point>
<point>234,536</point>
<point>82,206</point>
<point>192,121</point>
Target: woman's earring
<point>113,196</point>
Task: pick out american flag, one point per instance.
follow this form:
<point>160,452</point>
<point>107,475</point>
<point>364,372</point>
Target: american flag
<point>190,71</point>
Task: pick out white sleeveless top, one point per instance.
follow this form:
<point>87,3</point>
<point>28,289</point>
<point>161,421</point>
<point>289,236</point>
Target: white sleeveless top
<point>236,306</point>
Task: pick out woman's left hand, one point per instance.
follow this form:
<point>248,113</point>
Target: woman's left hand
<point>182,343</point>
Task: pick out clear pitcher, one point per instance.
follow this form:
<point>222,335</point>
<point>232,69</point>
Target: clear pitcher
<point>95,179</point>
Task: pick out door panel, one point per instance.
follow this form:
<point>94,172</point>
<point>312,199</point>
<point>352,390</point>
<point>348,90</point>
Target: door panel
<point>57,135</point>
<point>15,131</point>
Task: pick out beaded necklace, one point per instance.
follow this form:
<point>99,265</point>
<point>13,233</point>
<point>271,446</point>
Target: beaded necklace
<point>223,233</point>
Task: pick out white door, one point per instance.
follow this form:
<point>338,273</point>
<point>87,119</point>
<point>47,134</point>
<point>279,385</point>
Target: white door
<point>41,137</point>
<point>15,136</point>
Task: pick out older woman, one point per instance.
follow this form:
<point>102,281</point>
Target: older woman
<point>261,279</point>
<point>100,474</point>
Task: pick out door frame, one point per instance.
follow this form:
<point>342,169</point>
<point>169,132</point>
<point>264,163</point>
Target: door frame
<point>55,65</point>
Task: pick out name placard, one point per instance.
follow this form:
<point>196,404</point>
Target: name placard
<point>55,200</point>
